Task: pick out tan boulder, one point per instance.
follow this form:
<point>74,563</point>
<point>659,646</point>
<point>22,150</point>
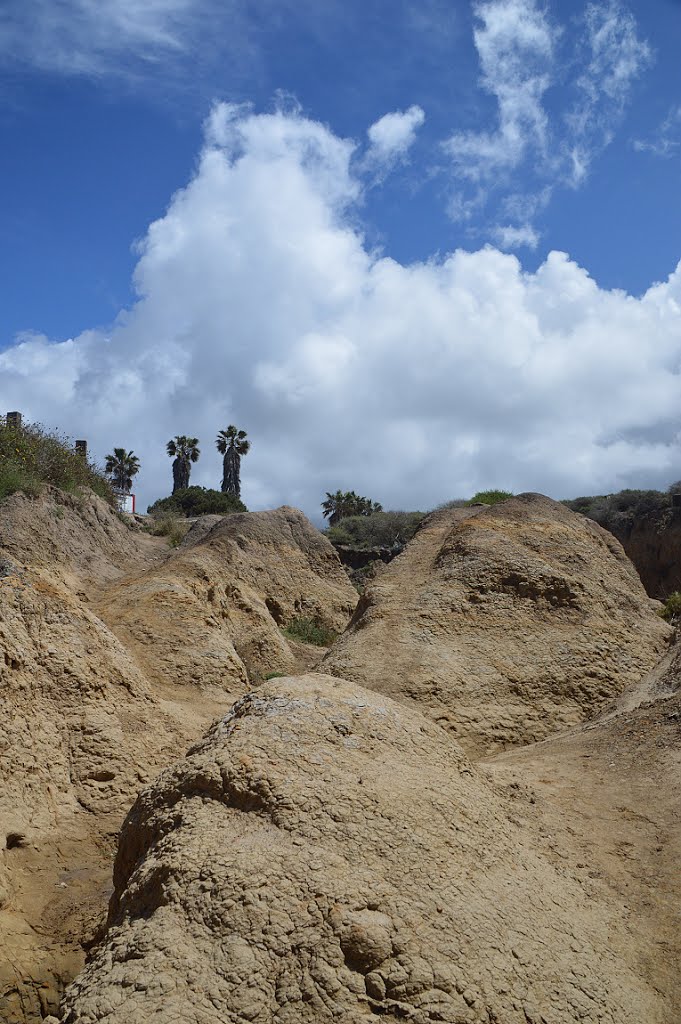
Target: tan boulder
<point>504,623</point>
<point>325,853</point>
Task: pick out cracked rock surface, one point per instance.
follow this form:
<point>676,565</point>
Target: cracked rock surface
<point>327,854</point>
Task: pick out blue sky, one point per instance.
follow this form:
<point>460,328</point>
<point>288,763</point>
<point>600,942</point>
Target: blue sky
<point>143,238</point>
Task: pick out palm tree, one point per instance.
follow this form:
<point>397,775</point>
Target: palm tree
<point>185,450</point>
<point>232,444</point>
<point>333,506</point>
<point>346,503</point>
<point>122,466</point>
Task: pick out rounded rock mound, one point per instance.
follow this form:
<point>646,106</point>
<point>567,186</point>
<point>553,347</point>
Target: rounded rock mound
<point>504,623</point>
<point>324,853</point>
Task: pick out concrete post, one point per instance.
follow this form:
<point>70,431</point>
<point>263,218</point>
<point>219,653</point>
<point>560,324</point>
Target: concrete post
<point>13,420</point>
<point>81,448</point>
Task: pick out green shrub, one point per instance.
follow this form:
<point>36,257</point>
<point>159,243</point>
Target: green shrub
<point>489,497</point>
<point>452,503</point>
<point>586,504</point>
<point>275,675</point>
<point>170,526</point>
<point>672,607</point>
<point>309,632</point>
<point>13,479</point>
<point>618,511</point>
<point>637,503</point>
<point>380,530</point>
<point>31,456</point>
<point>197,501</point>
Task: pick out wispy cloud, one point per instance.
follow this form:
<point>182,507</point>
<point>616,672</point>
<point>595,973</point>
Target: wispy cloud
<point>666,141</point>
<point>509,237</point>
<point>121,38</point>
<point>615,57</point>
<point>512,170</point>
<point>515,44</point>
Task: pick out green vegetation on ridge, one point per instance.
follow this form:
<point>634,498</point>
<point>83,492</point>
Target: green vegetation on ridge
<point>31,456</point>
<point>619,511</point>
<point>343,504</point>
<point>492,497</point>
<point>379,530</point>
<point>197,501</point>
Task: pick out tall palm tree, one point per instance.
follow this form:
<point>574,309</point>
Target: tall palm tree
<point>122,466</point>
<point>185,451</point>
<point>232,444</point>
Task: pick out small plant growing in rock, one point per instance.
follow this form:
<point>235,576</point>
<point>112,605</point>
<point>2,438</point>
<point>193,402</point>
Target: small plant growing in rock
<point>492,497</point>
<point>672,607</point>
<point>170,526</point>
<point>309,632</point>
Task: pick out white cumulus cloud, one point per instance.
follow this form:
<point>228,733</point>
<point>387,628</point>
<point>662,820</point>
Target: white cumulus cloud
<point>260,304</point>
<point>393,135</point>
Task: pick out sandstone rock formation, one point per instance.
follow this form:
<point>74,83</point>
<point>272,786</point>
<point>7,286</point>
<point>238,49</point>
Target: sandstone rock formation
<point>80,535</point>
<point>236,584</point>
<point>86,721</point>
<point>503,623</point>
<point>325,853</point>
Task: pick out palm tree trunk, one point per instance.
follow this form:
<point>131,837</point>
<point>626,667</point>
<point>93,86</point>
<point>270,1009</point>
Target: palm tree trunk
<point>231,473</point>
<point>181,470</point>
